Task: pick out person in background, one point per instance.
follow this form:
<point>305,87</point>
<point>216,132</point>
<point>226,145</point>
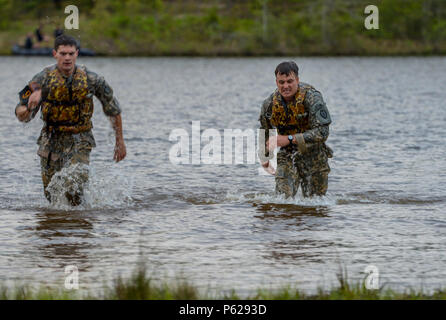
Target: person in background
<point>29,41</point>
<point>58,32</point>
<point>42,39</point>
<point>39,34</point>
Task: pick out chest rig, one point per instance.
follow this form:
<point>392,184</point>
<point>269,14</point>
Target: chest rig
<point>290,118</point>
<point>67,107</point>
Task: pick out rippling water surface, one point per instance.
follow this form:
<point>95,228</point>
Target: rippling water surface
<point>221,226</point>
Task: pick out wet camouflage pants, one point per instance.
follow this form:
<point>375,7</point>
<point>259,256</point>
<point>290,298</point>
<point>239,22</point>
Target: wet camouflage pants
<point>310,173</point>
<point>74,183</point>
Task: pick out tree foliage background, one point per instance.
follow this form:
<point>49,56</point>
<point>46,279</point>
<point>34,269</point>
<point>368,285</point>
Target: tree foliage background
<point>235,27</point>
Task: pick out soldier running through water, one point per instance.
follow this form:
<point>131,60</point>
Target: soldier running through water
<point>64,94</point>
<point>299,114</point>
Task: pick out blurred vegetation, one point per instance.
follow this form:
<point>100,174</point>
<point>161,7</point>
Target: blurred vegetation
<point>141,287</point>
<point>235,27</point>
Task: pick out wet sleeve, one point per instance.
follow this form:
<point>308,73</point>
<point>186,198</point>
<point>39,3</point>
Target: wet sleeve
<point>36,82</point>
<point>319,117</point>
<point>265,126</point>
<point>38,78</point>
<point>103,91</point>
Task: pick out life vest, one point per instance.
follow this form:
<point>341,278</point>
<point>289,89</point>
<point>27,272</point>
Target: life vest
<point>290,118</point>
<point>67,108</point>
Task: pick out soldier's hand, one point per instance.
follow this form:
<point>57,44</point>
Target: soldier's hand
<point>120,150</point>
<point>34,99</point>
<point>277,141</point>
<point>22,113</point>
<point>271,144</point>
<point>268,168</point>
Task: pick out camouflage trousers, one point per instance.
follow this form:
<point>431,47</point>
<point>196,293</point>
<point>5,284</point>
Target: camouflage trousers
<point>310,172</point>
<point>78,176</point>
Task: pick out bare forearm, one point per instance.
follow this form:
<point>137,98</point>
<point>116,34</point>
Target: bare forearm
<point>116,122</point>
<point>120,149</point>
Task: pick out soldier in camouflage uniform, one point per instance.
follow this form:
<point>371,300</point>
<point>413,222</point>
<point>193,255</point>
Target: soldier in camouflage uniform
<point>299,114</point>
<point>64,94</point>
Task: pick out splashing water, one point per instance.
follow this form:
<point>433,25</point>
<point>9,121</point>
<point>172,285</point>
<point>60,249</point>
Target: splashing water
<point>264,198</point>
<point>105,188</point>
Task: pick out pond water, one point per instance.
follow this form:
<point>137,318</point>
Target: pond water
<point>220,225</point>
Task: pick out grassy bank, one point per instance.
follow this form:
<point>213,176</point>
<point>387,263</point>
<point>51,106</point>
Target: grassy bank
<point>141,287</point>
<point>235,27</point>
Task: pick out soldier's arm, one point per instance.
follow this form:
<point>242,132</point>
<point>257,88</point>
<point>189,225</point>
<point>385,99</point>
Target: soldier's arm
<point>319,118</point>
<point>265,126</point>
<point>30,98</point>
<point>37,82</point>
<point>111,108</point>
<point>102,90</point>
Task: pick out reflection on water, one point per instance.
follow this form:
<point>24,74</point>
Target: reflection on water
<point>64,237</point>
<point>287,211</point>
<point>292,218</point>
<point>298,251</point>
<point>222,226</point>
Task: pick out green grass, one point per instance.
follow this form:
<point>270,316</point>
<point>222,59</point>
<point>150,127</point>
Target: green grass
<point>141,287</point>
<point>237,28</point>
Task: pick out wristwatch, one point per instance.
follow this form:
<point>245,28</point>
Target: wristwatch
<point>290,137</point>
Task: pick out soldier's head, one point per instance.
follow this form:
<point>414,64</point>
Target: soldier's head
<point>66,49</point>
<point>287,79</point>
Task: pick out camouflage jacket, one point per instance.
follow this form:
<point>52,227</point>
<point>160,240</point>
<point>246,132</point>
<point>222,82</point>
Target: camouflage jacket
<point>319,120</point>
<point>64,143</point>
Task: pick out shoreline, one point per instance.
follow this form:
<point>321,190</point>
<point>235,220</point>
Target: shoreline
<point>141,287</point>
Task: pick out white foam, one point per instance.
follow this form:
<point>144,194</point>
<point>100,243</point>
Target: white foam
<point>107,187</point>
<point>327,200</point>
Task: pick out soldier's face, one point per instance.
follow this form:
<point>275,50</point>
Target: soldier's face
<point>287,85</point>
<point>66,58</point>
